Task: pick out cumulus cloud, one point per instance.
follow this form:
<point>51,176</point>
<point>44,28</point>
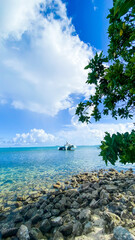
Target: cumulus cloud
<point>78,133</point>
<point>34,137</point>
<point>42,58</point>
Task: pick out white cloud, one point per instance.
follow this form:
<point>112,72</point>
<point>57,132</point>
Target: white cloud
<point>95,8</point>
<point>42,60</point>
<point>79,134</point>
<point>34,137</point>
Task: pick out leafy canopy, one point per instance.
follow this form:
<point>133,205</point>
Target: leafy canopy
<point>114,80</point>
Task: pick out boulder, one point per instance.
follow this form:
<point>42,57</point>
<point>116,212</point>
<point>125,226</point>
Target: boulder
<point>56,222</point>
<point>45,226</point>
<point>66,229</point>
<point>77,229</point>
<point>88,228</point>
<point>58,236</point>
<point>36,219</point>
<point>23,233</point>
<point>121,233</point>
<point>85,215</point>
<point>9,232</point>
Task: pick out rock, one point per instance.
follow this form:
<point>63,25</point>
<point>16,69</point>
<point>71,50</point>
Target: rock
<point>45,226</point>
<point>57,186</point>
<point>126,214</point>
<point>2,216</point>
<point>112,220</point>
<point>77,229</point>
<point>36,219</point>
<point>104,194</point>
<point>18,219</point>
<point>94,203</point>
<point>47,215</point>
<point>66,229</point>
<point>87,228</point>
<point>30,213</point>
<point>35,234</point>
<point>85,215</point>
<point>56,222</point>
<point>55,212</point>
<point>121,233</point>
<point>133,211</point>
<point>58,236</point>
<point>9,232</point>
<point>23,233</point>
<point>111,188</point>
<point>94,194</point>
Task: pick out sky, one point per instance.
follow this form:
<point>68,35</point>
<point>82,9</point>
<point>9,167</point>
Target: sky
<point>44,47</point>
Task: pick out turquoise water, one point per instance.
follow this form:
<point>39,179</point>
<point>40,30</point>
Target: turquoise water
<point>26,169</point>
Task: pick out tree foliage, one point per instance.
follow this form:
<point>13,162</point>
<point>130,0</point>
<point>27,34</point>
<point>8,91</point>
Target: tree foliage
<point>114,80</point>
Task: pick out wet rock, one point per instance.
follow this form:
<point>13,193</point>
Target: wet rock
<point>2,216</point>
<point>56,222</point>
<point>18,204</point>
<point>18,219</point>
<point>23,233</point>
<point>57,186</point>
<point>85,215</point>
<point>121,233</point>
<point>66,229</point>
<point>45,226</point>
<point>36,219</point>
<point>30,213</point>
<point>77,229</point>
<point>9,232</point>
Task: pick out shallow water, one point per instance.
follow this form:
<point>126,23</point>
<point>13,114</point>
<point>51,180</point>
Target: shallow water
<point>26,169</point>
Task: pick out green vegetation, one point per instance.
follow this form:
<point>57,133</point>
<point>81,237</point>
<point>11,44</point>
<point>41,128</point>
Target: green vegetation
<point>114,80</point>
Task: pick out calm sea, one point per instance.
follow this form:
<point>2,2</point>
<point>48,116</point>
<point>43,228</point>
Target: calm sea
<point>26,169</point>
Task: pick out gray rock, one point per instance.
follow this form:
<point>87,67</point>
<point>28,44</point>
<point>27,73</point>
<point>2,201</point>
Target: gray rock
<point>133,211</point>
<point>85,215</point>
<point>36,219</point>
<point>66,229</point>
<point>111,188</point>
<point>9,232</point>
<point>77,229</point>
<point>30,213</point>
<point>47,215</point>
<point>104,194</point>
<point>94,203</point>
<point>2,216</point>
<point>58,236</point>
<point>45,226</point>
<point>35,234</point>
<point>56,222</point>
<point>121,233</point>
<point>87,228</point>
<point>23,233</point>
<point>55,212</point>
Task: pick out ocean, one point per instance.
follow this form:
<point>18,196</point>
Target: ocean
<point>23,170</point>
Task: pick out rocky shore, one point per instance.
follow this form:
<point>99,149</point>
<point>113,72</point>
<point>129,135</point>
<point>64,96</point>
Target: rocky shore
<point>99,205</point>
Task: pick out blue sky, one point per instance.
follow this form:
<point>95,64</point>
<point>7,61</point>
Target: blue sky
<point>44,46</point>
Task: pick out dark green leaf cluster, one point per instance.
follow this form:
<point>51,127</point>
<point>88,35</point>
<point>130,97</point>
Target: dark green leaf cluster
<point>118,146</point>
<point>114,80</point>
<point>115,84</point>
